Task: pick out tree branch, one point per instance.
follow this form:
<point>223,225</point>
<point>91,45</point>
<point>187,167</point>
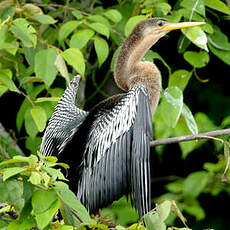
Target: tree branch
<point>207,135</point>
<point>5,134</point>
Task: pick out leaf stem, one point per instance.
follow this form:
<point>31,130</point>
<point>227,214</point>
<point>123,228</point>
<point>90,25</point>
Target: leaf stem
<point>198,78</point>
<point>28,98</point>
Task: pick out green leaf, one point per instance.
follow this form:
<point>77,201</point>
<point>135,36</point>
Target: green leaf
<point>65,227</point>
<point>42,200</point>
<point>65,166</point>
<point>66,29</point>
<point>7,42</point>
<point>44,65</point>
<point>204,123</point>
<point>219,40</point>
<point>62,68</point>
<point>175,16</point>
<point>182,129</point>
<point>11,47</point>
<point>118,227</point>
<point>171,106</point>
<point>39,116</point>
<point>113,15</point>
<point>197,36</point>
<point>52,159</point>
<point>198,60</point>
<point>77,14</point>
<point>26,106</point>
<point>44,19</point>
<point>194,5</point>
<point>44,99</point>
<point>225,122</point>
<point>193,208</point>
<point>217,5</point>
<point>136,226</point>
<point>35,178</point>
<point>9,172</point>
<point>164,209</point>
<point>183,43</point>
<point>44,218</point>
<point>122,211</point>
<point>6,80</point>
<point>153,221</point>
<point>100,28</point>
<point>24,31</point>
<point>15,160</point>
<point>8,83</point>
<point>151,56</point>
<point>102,49</point>
<point>131,23</point>
<point>28,223</point>
<point>71,201</point>
<point>81,38</point>
<point>75,58</point>
<point>189,119</point>
<point>221,54</point>
<point>30,55</point>
<point>3,89</point>
<point>55,173</point>
<point>164,7</point>
<point>4,225</point>
<point>100,19</point>
<point>194,184</point>
<point>114,58</point>
<point>33,144</point>
<point>219,45</point>
<point>11,191</point>
<point>32,9</point>
<point>33,160</point>
<point>175,187</point>
<point>30,126</point>
<point>180,78</point>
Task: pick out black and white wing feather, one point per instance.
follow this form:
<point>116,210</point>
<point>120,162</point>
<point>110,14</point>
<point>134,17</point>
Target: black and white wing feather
<point>116,155</point>
<point>64,122</point>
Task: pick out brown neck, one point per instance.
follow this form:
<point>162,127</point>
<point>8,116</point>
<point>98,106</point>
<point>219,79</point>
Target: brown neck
<point>130,70</point>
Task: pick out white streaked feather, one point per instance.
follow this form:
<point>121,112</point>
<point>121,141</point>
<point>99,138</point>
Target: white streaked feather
<point>64,121</point>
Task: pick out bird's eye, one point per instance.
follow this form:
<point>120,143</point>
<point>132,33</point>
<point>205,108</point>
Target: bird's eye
<point>160,23</point>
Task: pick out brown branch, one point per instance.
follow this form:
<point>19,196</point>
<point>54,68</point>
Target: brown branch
<point>207,135</point>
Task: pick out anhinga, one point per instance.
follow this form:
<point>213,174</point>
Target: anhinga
<point>108,147</point>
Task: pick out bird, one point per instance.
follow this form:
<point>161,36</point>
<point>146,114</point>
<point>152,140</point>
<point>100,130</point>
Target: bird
<point>108,147</point>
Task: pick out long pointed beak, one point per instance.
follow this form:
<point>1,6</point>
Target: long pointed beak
<point>181,25</point>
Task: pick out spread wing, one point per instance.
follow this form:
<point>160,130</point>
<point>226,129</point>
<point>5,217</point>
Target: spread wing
<point>116,156</point>
<point>64,122</point>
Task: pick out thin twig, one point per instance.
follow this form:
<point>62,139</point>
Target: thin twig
<point>63,6</point>
<point>207,135</point>
<point>28,98</point>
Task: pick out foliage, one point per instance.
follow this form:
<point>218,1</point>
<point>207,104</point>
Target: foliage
<point>33,194</point>
<point>44,43</point>
<point>36,192</point>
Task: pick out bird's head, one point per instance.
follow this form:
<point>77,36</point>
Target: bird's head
<point>158,27</point>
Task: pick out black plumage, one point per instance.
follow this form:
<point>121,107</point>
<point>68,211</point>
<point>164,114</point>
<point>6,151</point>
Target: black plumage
<point>108,152</point>
<point>108,147</point>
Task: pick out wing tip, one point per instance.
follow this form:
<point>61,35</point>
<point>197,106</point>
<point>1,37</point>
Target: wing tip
<point>75,81</point>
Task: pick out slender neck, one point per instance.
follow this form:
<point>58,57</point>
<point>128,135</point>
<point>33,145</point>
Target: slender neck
<point>130,70</point>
